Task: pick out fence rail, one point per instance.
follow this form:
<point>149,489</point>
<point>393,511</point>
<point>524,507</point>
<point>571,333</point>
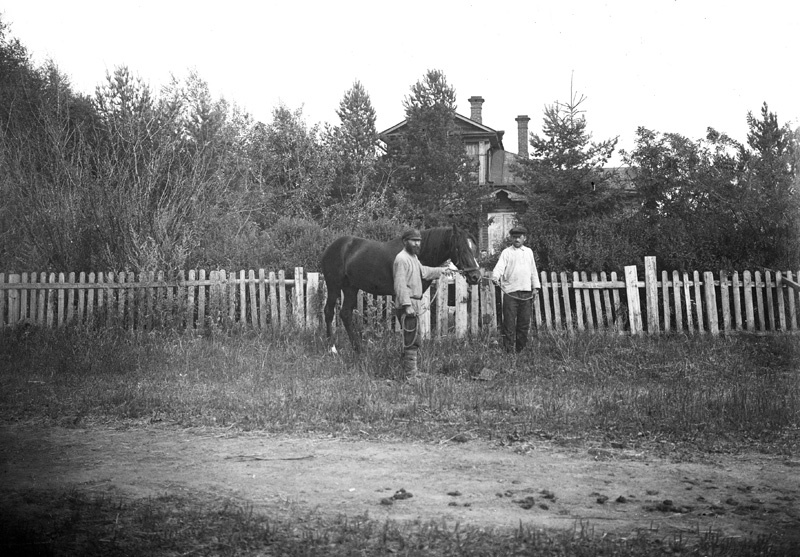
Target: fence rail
<point>697,303</point>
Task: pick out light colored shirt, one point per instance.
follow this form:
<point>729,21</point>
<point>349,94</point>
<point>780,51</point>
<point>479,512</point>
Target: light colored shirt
<point>516,270</point>
<point>408,274</point>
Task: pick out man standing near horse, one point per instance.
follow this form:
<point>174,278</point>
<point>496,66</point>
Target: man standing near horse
<point>408,275</point>
<point>516,274</point>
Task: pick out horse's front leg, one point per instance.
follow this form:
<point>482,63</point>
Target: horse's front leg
<point>348,305</point>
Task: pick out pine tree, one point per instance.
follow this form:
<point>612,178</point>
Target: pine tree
<point>565,172</point>
<point>430,162</point>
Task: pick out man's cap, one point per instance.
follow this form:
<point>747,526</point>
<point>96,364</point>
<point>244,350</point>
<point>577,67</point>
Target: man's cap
<point>411,234</point>
<point>517,230</point>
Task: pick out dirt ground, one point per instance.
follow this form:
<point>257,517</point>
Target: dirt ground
<point>471,482</point>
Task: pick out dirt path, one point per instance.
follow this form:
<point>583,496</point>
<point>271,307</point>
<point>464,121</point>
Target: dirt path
<point>475,482</point>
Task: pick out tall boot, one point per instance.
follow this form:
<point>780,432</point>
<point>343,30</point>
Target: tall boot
<point>410,361</point>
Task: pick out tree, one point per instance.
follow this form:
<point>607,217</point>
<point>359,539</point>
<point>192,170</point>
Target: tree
<point>771,169</point>
<point>429,161</point>
<point>715,203</point>
<point>294,167</point>
<point>354,142</point>
<point>565,173</point>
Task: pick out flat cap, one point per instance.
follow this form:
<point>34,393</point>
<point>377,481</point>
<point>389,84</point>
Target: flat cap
<point>517,230</point>
<point>411,234</point>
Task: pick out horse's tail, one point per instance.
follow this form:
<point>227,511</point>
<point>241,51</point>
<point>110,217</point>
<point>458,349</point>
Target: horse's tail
<point>333,265</point>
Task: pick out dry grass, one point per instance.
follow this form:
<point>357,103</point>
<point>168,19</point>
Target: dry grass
<point>680,395</point>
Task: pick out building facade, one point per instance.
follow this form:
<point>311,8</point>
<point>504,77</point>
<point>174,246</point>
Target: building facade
<point>501,191</point>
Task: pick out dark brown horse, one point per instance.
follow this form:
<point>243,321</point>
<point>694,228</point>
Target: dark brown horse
<point>351,264</point>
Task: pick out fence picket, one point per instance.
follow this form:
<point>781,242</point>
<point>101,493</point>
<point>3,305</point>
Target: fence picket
<point>474,310</point>
<point>262,300</point>
<point>273,300</point>
<point>461,306</point>
<point>711,302</point>
<point>565,296</point>
<point>424,321</point>
<point>687,297</point>
<point>781,301</point>
<point>313,301</point>
<point>13,300</point>
<point>23,298</point>
<point>548,317</point>
<point>298,305</point>
<point>91,292</point>
<point>651,294</point>
<point>634,309</point>
<point>41,303</point>
<point>698,302</point>
<point>608,311</point>
<point>759,284</point>
<point>676,299</point>
<point>665,301</point>
<point>597,316</point>
<point>252,305</point>
<point>282,299</point>
<point>748,301</point>
<point>618,323</point>
<point>556,301</point>
<point>792,308</point>
<point>488,311</point>
<point>578,304</point>
<point>737,302</point>
<point>768,292</point>
<point>725,301</point>
<point>442,315</point>
<point>586,303</point>
<point>3,295</point>
<point>70,307</point>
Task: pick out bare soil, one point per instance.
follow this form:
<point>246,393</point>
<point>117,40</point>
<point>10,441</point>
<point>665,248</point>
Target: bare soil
<point>471,482</point>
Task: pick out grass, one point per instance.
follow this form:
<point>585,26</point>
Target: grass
<point>678,395</point>
<point>79,524</point>
<point>712,394</point>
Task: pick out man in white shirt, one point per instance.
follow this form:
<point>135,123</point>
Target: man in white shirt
<point>516,274</point>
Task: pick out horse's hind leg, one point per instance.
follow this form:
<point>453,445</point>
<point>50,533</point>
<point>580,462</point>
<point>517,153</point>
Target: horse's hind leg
<point>330,310</point>
<point>348,305</point>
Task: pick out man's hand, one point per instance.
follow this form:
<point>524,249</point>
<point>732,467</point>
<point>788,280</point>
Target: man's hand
<point>410,310</point>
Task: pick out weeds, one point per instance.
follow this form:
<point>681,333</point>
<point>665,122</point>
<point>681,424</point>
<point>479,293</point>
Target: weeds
<point>80,524</point>
<point>707,392</point>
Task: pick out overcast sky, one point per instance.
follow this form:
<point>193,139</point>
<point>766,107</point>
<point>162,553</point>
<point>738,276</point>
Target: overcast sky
<point>671,66</point>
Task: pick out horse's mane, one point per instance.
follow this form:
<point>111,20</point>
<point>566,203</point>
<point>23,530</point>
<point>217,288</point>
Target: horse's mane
<point>436,244</point>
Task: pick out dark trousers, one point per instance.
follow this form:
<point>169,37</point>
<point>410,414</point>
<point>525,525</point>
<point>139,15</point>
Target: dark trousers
<point>517,308</point>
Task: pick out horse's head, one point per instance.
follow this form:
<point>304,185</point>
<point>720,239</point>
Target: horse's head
<point>463,254</point>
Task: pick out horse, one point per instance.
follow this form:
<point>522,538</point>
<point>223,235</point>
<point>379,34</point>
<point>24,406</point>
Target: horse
<point>350,264</point>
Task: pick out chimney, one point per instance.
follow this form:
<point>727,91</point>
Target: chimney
<point>522,135</point>
<point>475,104</point>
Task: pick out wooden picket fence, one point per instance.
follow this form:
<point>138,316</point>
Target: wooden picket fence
<point>683,302</point>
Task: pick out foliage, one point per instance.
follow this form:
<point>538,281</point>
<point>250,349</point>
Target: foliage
<point>293,168</point>
<point>429,161</point>
<point>715,203</point>
<point>565,174</point>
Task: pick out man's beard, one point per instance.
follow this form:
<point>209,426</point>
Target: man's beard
<point>413,250</point>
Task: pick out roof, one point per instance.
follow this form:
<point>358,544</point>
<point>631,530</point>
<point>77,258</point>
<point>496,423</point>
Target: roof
<point>470,130</point>
<point>500,173</point>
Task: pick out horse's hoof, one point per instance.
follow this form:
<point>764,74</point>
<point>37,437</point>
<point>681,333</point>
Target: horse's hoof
<point>333,350</point>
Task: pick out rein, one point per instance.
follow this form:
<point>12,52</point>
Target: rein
<point>509,294</point>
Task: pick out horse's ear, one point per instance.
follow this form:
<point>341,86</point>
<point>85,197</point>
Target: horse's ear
<point>455,228</point>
